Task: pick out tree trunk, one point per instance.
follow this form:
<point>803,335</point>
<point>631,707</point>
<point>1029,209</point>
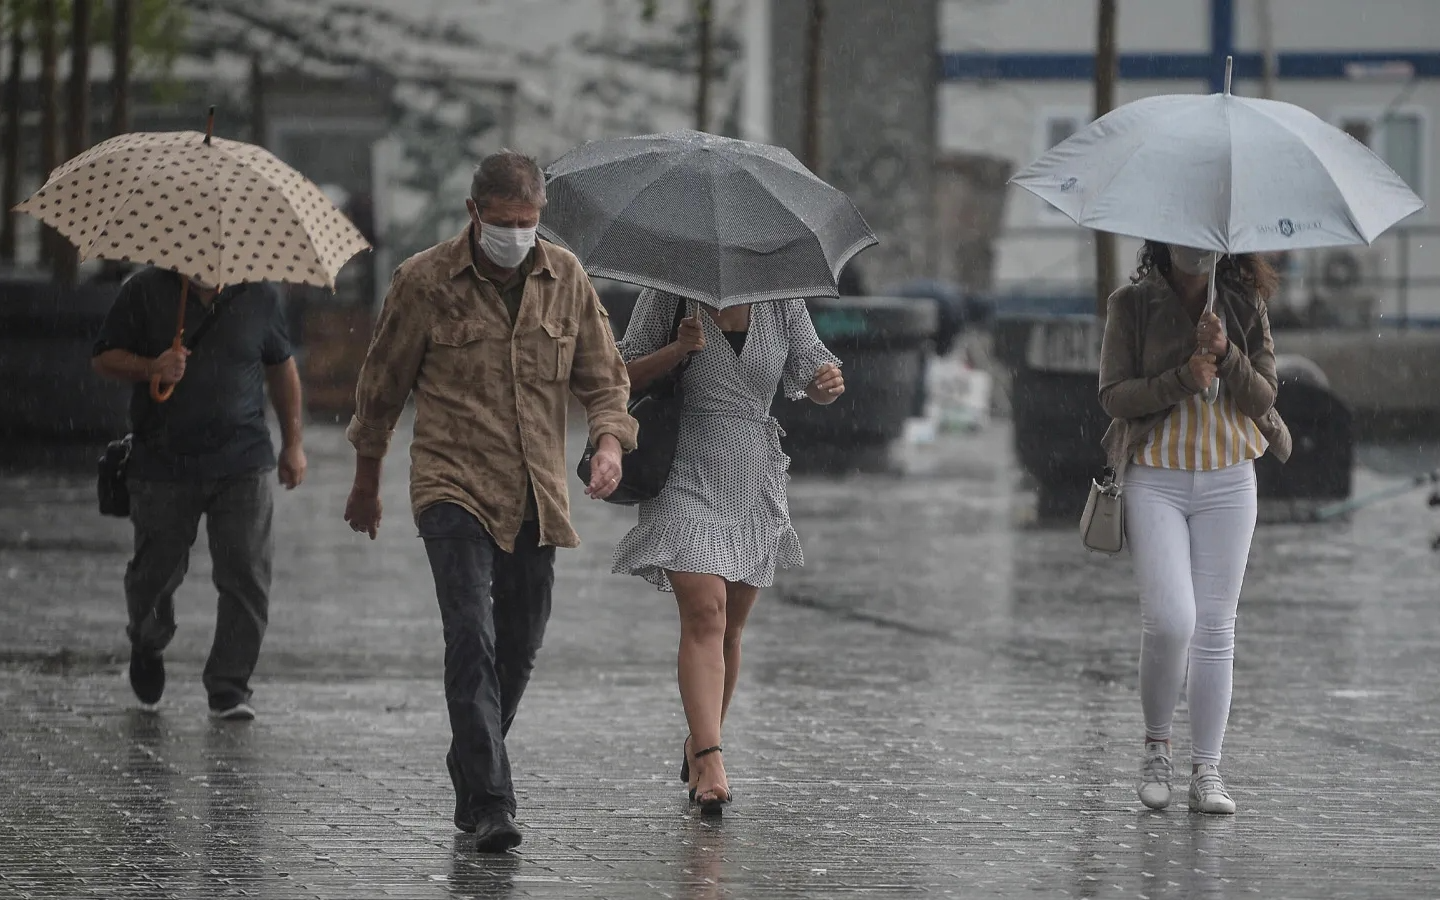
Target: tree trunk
<point>1269,63</point>
<point>77,132</point>
<point>1106,65</point>
<point>705,12</point>
<point>814,55</point>
<point>257,102</point>
<point>10,181</point>
<point>120,83</point>
<point>49,117</point>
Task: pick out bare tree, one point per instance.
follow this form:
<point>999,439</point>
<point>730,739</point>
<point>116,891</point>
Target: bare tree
<point>49,114</point>
<point>10,181</point>
<point>1106,66</point>
<point>77,132</point>
<point>122,39</point>
<point>705,13</point>
<point>814,58</point>
<point>257,101</point>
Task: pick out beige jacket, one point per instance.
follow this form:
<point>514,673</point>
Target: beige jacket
<point>1144,370</point>
<point>491,395</point>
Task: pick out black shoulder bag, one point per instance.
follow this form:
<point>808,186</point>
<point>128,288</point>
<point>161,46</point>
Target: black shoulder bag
<point>114,494</point>
<point>657,410</point>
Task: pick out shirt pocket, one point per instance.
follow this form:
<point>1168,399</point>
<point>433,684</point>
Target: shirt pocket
<point>462,352</point>
<point>553,349</point>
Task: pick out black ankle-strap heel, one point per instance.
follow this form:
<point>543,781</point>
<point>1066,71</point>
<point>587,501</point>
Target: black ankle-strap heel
<point>710,806</point>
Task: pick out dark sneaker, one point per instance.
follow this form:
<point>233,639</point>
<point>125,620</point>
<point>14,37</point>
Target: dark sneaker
<point>147,676</point>
<point>496,832</point>
<point>240,712</point>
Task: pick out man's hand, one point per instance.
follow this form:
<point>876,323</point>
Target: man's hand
<point>170,365</point>
<point>292,466</point>
<point>362,510</point>
<point>827,385</point>
<point>604,468</point>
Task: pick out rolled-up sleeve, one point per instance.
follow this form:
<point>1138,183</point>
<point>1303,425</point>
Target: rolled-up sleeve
<point>598,378</point>
<point>392,363</point>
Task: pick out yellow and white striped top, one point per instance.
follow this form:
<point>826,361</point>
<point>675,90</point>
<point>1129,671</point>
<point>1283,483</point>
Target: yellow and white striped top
<point>1202,437</point>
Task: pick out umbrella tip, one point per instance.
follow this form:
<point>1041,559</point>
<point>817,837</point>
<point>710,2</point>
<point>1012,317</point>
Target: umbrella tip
<point>1229,67</point>
<point>210,125</point>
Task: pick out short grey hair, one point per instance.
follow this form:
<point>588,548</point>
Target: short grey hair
<point>508,176</point>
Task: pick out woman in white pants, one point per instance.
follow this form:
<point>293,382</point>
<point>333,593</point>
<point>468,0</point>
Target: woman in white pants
<point>1187,466</point>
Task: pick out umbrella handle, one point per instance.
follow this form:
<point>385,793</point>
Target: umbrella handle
<point>1211,393</point>
<point>157,393</point>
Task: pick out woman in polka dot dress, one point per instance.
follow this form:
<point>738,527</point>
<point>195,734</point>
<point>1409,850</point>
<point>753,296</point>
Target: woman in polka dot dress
<point>721,526</point>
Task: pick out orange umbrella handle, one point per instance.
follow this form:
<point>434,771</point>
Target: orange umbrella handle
<point>158,394</point>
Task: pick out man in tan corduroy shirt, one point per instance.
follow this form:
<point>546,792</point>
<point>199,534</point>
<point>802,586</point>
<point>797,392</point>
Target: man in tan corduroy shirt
<point>492,332</point>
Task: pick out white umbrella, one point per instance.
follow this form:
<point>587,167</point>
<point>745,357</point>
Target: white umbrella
<point>1223,173</point>
<point>1220,172</point>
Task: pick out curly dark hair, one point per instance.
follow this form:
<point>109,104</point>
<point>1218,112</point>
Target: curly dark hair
<point>1248,274</point>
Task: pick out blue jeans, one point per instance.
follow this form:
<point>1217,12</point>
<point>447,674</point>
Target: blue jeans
<point>493,606</point>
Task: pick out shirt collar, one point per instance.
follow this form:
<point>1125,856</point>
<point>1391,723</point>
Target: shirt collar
<point>457,255</point>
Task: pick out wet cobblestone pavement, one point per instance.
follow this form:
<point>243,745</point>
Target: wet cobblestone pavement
<point>941,703</point>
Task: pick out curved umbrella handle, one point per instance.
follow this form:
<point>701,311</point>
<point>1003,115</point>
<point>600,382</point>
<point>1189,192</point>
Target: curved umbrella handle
<point>157,393</point>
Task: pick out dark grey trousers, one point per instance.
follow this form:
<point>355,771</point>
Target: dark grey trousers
<point>494,607</point>
<point>238,515</point>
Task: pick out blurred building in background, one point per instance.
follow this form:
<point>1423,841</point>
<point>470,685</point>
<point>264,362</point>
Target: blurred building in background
<point>1017,79</point>
<point>919,109</point>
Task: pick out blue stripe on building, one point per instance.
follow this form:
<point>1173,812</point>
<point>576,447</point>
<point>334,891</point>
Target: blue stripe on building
<point>1169,66</point>
<point>1209,67</point>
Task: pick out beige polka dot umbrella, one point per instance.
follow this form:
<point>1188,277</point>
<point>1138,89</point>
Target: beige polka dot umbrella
<point>221,212</point>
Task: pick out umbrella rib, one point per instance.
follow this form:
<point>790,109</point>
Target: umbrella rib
<point>1139,145</point>
<point>719,244</point>
<point>1349,214</point>
<point>289,206</point>
<point>1229,177</point>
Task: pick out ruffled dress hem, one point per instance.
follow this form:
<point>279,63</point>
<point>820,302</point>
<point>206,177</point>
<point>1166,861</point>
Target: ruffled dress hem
<point>651,549</point>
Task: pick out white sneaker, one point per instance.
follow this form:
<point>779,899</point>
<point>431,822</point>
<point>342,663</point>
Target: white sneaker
<point>1208,794</point>
<point>240,712</point>
<point>1155,775</point>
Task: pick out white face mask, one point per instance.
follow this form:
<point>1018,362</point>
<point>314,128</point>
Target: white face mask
<point>506,247</point>
<point>1191,261</point>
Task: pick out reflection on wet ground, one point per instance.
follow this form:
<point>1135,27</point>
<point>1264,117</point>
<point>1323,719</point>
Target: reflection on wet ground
<point>939,703</point>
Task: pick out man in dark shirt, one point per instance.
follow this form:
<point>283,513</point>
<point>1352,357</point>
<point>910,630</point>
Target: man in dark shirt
<point>206,451</point>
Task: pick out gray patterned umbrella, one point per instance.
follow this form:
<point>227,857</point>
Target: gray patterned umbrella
<point>714,219</point>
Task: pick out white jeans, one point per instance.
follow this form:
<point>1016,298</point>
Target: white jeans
<point>1189,534</point>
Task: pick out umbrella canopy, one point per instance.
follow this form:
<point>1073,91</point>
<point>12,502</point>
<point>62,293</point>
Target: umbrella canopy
<point>1220,172</point>
<point>218,211</point>
<point>718,220</point>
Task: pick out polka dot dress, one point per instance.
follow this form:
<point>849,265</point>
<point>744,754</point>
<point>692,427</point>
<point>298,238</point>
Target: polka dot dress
<point>224,213</point>
<point>724,511</point>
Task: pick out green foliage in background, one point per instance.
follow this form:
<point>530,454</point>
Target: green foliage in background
<point>158,29</point>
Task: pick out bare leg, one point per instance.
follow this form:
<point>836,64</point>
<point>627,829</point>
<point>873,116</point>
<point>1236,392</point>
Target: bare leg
<point>701,667</point>
<point>739,600</point>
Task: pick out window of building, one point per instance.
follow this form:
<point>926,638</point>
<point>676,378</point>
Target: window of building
<point>1055,126</point>
<point>1398,137</point>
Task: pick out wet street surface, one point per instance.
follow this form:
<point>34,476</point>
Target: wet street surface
<point>943,702</point>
